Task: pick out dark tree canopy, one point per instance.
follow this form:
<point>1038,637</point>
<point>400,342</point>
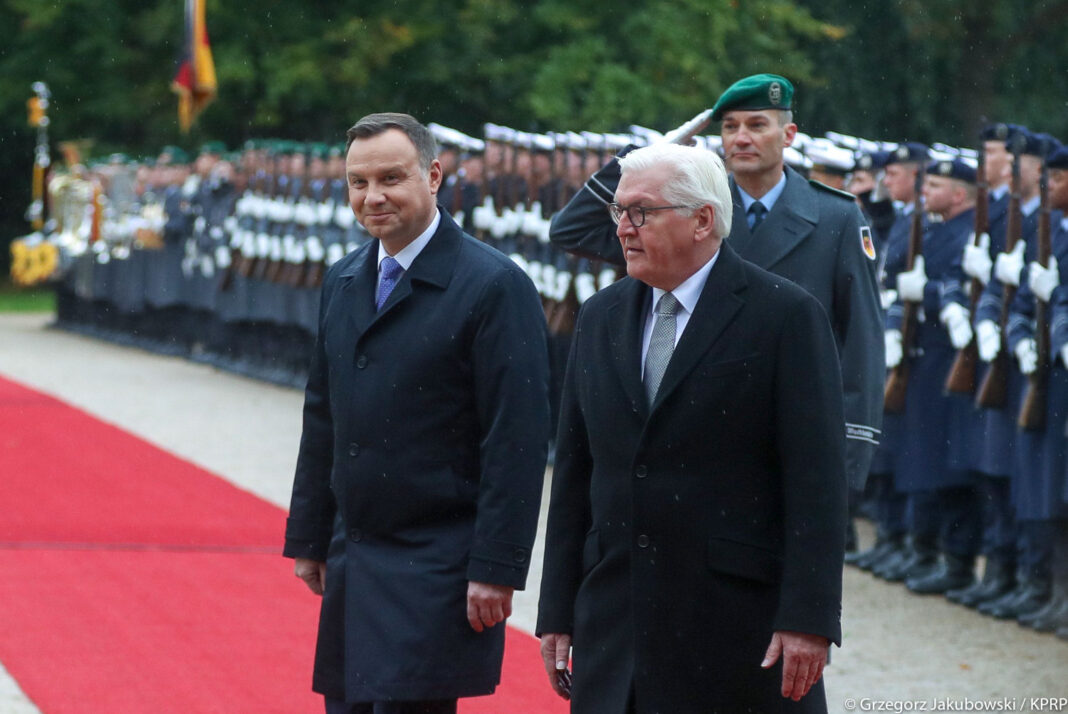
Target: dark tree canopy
<point>306,69</point>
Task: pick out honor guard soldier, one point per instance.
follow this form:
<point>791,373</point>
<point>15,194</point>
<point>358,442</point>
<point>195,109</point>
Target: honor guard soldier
<point>830,163</point>
<point>994,428</point>
<point>1029,589</point>
<point>931,464</point>
<point>1045,406</point>
<point>1050,284</point>
<point>890,552</point>
<point>806,232</point>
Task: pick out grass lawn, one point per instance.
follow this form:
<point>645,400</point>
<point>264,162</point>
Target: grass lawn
<point>13,298</point>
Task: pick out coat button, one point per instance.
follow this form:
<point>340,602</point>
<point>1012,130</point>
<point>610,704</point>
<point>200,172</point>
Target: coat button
<point>355,535</point>
<point>520,555</point>
<point>643,541</point>
<point>642,471</point>
<point>361,362</point>
<point>354,449</point>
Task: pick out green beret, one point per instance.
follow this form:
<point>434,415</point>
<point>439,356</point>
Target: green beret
<point>760,91</point>
<point>213,147</point>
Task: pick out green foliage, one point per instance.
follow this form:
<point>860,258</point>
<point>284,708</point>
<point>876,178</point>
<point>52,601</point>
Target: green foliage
<point>306,69</point>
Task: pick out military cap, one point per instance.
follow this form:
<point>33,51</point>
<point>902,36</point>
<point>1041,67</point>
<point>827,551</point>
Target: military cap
<point>955,168</point>
<point>872,160</point>
<point>995,132</point>
<point>1046,144</point>
<point>908,151</point>
<point>829,157</point>
<point>1058,158</point>
<point>760,91</point>
<point>178,155</point>
<point>213,147</point>
<point>337,150</point>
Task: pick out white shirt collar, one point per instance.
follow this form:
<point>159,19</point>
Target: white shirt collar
<point>689,291</point>
<point>996,193</point>
<point>1031,205</point>
<point>406,255</point>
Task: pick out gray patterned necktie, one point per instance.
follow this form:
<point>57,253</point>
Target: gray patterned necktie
<point>661,345</point>
<point>391,273</point>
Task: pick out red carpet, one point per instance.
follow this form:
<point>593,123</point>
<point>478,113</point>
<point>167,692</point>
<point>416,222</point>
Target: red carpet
<point>134,581</point>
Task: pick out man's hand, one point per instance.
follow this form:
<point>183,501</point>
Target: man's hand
<point>910,283</point>
<point>976,261</point>
<point>312,572</point>
<point>892,343</point>
<point>487,604</point>
<point>1008,266</point>
<point>803,659</point>
<point>1044,281</point>
<point>988,340</point>
<point>1027,355</point>
<point>555,654</point>
<point>955,318</point>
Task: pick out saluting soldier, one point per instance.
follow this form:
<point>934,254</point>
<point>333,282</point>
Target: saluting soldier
<point>806,232</point>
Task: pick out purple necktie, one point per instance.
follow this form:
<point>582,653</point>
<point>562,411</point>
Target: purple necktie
<point>391,273</point>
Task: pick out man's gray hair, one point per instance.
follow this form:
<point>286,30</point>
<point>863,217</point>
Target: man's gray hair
<point>699,178</point>
<point>375,124</point>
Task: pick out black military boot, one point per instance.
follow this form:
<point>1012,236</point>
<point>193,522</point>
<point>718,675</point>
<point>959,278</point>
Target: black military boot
<point>953,572</point>
<point>865,559</point>
<point>999,578</point>
<point>1028,597</point>
<point>1054,615</point>
<point>891,558</point>
<point>922,562</point>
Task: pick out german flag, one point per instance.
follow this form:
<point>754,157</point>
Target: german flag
<point>195,81</point>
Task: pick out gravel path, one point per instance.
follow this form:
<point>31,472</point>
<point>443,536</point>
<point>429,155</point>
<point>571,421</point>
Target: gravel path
<point>900,649</point>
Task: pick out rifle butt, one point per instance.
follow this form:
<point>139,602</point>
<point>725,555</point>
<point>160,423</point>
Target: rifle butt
<point>894,392</point>
<point>1033,412</point>
<point>994,392</point>
<point>961,377</point>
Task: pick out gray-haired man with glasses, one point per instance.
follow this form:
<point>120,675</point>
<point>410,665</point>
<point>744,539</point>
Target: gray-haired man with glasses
<point>693,553</point>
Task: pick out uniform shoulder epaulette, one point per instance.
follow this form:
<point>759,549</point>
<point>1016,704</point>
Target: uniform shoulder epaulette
<point>830,189</point>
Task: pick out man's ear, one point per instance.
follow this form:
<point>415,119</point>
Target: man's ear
<point>434,176</point>
<point>790,131</point>
<point>706,223</point>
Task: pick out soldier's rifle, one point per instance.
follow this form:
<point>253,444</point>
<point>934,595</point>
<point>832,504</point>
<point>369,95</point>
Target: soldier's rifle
<point>897,381</point>
<point>994,392</point>
<point>962,375</point>
<point>1033,412</point>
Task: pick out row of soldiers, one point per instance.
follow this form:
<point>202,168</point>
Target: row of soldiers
<point>972,460</point>
<point>959,237</point>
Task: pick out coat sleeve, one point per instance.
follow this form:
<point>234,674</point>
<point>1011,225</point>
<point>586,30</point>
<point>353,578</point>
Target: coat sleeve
<point>510,374</point>
<point>810,446</point>
<point>584,227</point>
<point>569,507</point>
<point>858,319</point>
<point>312,506</point>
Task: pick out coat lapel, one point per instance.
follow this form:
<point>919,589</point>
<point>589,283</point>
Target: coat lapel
<point>790,221</point>
<point>626,318</point>
<point>433,266</point>
<point>718,306</point>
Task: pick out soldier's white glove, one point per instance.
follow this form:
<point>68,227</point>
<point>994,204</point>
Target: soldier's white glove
<point>1008,266</point>
<point>894,351</point>
<point>887,297</point>
<point>1064,355</point>
<point>976,261</point>
<point>1044,281</point>
<point>1027,355</point>
<point>988,340</point>
<point>910,283</point>
<point>955,318</point>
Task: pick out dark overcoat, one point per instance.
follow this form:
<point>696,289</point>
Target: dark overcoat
<point>813,236</point>
<point>420,466</point>
<point>681,535</point>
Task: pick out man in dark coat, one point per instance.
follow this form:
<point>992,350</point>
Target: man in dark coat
<point>808,233</point>
<point>419,477</point>
<point>697,520</point>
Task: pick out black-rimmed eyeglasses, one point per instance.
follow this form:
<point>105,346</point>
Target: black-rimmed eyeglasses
<point>636,214</point>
